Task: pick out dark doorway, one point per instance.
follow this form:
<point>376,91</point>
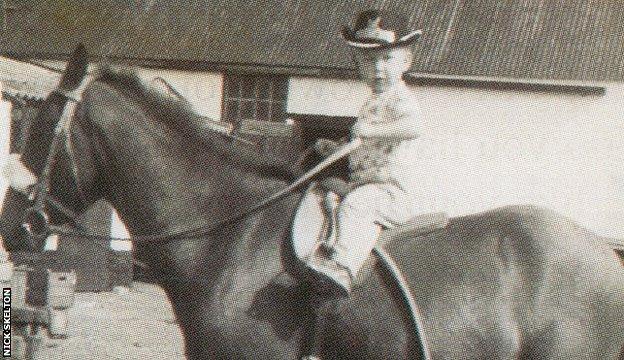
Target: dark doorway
<point>314,127</point>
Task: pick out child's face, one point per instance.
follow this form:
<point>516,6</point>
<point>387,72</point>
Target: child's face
<point>382,68</point>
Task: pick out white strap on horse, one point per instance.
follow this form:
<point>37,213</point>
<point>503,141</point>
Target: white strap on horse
<point>335,156</point>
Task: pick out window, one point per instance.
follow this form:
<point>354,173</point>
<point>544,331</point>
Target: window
<point>254,97</point>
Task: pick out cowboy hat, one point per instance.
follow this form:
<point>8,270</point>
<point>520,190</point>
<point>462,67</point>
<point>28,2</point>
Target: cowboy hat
<point>375,29</point>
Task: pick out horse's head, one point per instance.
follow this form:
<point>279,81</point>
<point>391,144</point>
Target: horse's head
<point>18,204</point>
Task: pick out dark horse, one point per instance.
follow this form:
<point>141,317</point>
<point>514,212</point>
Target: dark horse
<point>518,282</point>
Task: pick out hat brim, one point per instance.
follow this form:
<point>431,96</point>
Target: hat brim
<point>350,38</point>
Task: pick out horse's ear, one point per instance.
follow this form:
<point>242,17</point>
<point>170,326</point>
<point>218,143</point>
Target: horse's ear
<point>76,69</point>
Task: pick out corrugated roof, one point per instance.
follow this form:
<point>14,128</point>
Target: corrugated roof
<point>26,80</point>
<point>580,40</point>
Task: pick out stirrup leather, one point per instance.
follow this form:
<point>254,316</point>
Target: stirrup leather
<point>329,233</point>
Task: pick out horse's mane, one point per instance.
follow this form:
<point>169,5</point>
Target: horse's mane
<point>177,114</point>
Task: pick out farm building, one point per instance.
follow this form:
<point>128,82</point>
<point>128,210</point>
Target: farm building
<point>522,100</point>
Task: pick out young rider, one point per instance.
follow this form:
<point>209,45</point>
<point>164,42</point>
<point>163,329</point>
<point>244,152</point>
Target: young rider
<point>387,124</point>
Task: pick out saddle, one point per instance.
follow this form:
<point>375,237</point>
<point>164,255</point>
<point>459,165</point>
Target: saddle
<point>314,225</point>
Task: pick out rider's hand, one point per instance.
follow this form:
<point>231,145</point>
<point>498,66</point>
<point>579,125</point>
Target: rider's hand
<point>325,146</point>
<point>336,185</point>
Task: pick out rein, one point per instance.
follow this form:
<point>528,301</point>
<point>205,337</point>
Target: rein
<point>37,221</point>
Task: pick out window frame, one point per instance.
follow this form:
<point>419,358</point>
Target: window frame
<point>276,97</point>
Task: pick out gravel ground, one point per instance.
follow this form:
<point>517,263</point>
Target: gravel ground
<point>135,323</point>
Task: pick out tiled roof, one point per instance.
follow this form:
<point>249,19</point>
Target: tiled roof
<point>581,40</point>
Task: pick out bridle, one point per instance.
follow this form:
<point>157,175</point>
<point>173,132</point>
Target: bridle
<point>37,222</point>
<point>36,219</point>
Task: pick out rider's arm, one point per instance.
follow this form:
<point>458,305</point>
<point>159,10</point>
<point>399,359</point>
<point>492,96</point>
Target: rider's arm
<point>404,129</point>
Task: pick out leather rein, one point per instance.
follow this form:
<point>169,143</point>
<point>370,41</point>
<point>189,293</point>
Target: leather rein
<point>37,222</point>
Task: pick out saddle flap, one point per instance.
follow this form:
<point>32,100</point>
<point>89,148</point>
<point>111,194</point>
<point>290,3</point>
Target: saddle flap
<point>308,225</point>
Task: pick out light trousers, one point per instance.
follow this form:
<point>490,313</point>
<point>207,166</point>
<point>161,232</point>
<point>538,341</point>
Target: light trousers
<point>361,215</point>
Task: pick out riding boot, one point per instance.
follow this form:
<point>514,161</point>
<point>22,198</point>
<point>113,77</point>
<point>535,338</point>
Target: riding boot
<point>331,276</point>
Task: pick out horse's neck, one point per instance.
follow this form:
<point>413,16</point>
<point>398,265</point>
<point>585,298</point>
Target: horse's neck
<point>166,183</point>
<point>159,179</point>
<point>176,198</point>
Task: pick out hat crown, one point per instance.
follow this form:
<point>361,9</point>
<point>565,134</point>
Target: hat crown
<point>373,31</point>
<point>377,27</point>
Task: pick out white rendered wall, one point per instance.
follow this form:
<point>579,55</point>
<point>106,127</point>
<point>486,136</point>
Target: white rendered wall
<point>481,149</point>
<point>203,90</point>
<point>118,230</point>
<point>325,96</point>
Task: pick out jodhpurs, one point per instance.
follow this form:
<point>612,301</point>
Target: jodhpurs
<point>361,215</point>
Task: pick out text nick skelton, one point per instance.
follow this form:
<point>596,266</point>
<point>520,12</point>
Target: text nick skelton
<point>6,323</point>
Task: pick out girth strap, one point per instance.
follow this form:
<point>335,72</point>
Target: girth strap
<point>408,297</point>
